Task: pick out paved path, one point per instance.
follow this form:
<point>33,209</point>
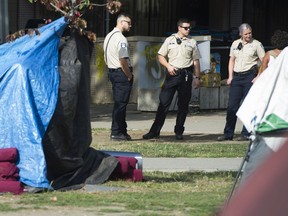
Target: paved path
<point>205,122</point>
<point>191,164</point>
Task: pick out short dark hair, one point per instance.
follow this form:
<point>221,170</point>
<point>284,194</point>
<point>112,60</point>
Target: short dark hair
<point>123,15</point>
<point>183,20</point>
<point>279,40</point>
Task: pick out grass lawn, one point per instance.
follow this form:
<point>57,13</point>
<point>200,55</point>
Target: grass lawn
<point>193,193</point>
<point>160,194</point>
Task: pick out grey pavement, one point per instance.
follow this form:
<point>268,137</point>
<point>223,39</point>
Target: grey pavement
<point>203,122</point>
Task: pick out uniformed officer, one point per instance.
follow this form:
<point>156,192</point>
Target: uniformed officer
<point>183,60</point>
<point>120,74</point>
<point>244,55</point>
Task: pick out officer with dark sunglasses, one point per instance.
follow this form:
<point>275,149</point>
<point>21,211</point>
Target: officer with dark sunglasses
<point>181,67</point>
<point>120,74</point>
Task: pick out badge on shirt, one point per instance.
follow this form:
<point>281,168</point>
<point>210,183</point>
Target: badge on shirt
<point>123,45</point>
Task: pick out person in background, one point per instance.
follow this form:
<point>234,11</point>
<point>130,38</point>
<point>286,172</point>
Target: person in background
<point>183,60</point>
<point>116,56</point>
<point>279,41</point>
<point>244,55</point>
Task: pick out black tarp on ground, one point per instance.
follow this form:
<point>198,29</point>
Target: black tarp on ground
<point>70,160</point>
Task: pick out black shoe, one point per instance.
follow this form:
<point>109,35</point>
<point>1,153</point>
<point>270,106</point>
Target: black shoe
<point>128,137</point>
<point>223,138</point>
<point>179,137</point>
<point>118,137</point>
<point>242,138</point>
<point>150,135</point>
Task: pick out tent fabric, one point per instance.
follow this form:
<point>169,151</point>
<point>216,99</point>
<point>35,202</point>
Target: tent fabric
<point>265,108</point>
<point>70,159</point>
<point>266,192</point>
<point>45,109</point>
<point>29,82</point>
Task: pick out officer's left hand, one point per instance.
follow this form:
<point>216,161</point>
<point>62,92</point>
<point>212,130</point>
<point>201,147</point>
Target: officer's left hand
<point>197,83</point>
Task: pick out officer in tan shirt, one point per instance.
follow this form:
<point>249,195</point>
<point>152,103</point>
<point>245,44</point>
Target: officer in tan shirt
<point>116,56</point>
<point>183,60</point>
<point>244,55</point>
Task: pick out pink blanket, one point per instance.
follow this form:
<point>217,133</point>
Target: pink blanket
<point>8,171</point>
<point>126,169</point>
<point>14,187</point>
<point>8,154</point>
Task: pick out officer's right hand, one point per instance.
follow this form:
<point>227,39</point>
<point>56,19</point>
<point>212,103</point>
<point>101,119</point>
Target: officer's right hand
<point>171,70</point>
<point>229,80</point>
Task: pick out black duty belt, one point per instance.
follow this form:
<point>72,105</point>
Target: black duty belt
<point>187,68</point>
<point>114,69</point>
<point>184,70</point>
<point>245,73</point>
<point>118,69</point>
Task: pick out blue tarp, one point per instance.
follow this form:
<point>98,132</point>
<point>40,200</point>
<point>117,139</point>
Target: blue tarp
<point>29,81</point>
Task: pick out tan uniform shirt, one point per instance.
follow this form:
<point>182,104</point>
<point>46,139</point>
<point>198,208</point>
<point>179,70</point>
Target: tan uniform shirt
<point>180,55</point>
<point>248,55</point>
<point>116,48</point>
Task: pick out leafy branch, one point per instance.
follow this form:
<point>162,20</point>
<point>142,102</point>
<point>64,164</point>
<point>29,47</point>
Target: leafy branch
<point>73,11</point>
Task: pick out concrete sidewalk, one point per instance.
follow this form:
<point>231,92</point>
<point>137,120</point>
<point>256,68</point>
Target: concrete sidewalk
<point>191,164</point>
<point>205,122</point>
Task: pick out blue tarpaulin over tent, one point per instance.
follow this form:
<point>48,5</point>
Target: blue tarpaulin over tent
<point>29,81</point>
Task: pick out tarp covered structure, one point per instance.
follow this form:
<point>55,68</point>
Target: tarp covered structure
<point>44,109</point>
<point>29,82</point>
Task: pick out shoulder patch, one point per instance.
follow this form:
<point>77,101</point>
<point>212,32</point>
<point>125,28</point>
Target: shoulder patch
<point>123,45</point>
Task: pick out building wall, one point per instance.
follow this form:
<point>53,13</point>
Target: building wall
<point>3,20</point>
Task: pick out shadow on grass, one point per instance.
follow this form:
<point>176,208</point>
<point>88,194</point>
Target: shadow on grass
<point>193,137</point>
<point>160,177</point>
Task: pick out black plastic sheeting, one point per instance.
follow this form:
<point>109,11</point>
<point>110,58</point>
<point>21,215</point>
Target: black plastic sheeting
<point>69,157</point>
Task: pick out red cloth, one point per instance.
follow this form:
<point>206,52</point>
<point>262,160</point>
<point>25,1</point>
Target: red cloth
<point>8,155</point>
<point>8,171</point>
<point>126,169</point>
<point>14,187</point>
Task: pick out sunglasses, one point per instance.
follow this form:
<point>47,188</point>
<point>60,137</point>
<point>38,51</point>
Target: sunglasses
<point>129,23</point>
<point>186,28</point>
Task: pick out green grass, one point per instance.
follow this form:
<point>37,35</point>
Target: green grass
<point>160,194</point>
<point>176,150</point>
<point>193,193</point>
<point>169,148</point>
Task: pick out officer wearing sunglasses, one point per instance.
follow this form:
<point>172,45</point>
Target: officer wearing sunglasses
<point>120,73</point>
<point>181,67</point>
